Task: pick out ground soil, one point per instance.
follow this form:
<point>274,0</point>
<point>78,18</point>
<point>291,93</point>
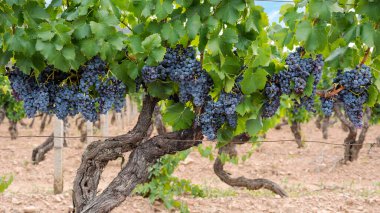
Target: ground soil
<point>312,176</point>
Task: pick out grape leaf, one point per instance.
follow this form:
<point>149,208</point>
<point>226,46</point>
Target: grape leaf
<point>309,86</point>
<point>253,81</point>
<point>193,25</point>
<point>151,42</point>
<point>178,116</point>
<point>372,98</point>
<point>254,126</point>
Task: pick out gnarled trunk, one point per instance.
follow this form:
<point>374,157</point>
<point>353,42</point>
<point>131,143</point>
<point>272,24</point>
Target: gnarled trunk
<point>296,130</point>
<point>40,151</point>
<point>251,184</point>
<point>158,123</point>
<point>353,145</point>
<point>145,153</point>
<point>325,126</point>
<point>13,129</point>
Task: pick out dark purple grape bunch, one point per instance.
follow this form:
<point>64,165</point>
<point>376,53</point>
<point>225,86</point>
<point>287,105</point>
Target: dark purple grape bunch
<point>327,105</point>
<point>354,95</point>
<point>272,92</point>
<point>223,111</point>
<point>50,92</point>
<point>181,66</point>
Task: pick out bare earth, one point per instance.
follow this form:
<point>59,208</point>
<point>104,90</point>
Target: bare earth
<point>313,177</point>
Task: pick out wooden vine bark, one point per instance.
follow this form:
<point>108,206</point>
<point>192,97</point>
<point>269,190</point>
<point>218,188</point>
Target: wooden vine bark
<point>251,184</point>
<point>145,153</point>
<point>295,127</point>
<point>99,153</point>
<point>353,145</point>
<point>158,123</point>
<point>40,151</point>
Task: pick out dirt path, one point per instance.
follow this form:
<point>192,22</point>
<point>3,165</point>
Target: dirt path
<point>312,176</point>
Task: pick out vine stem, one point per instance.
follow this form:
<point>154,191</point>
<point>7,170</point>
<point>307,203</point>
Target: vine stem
<point>365,56</point>
<point>330,92</point>
<point>125,24</point>
<point>201,58</point>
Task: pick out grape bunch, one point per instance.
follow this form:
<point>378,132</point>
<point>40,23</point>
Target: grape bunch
<point>327,105</point>
<point>354,94</point>
<point>9,106</point>
<point>272,92</point>
<point>293,80</point>
<point>54,92</point>
<point>181,66</point>
<point>217,113</point>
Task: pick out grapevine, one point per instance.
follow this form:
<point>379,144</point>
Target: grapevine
<point>54,92</point>
<point>354,94</point>
<point>294,80</point>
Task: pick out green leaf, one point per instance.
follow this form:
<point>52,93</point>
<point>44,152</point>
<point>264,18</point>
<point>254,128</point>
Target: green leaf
<point>254,126</point>
<point>45,32</point>
<point>228,10</point>
<point>5,57</point>
<point>253,82</point>
<point>369,8</point>
<point>303,30</point>
<point>231,65</point>
<point>100,30</point>
<point>47,49</point>
<point>161,90</point>
<point>151,42</point>
<point>168,33</point>
<point>163,9</point>
<point>337,53</point>
<point>315,37</point>
<point>59,62</point>
<point>367,34</point>
<point>38,12</point>
<point>230,36</point>
<point>82,31</point>
<point>225,135</point>
<point>230,83</point>
<point>178,116</point>
<point>263,56</point>
<point>373,94</point>
<point>89,47</point>
<point>309,86</point>
<point>69,52</point>
<point>256,21</point>
<point>193,25</point>
<point>135,44</point>
<point>244,107</point>
<point>156,55</point>
<point>323,9</point>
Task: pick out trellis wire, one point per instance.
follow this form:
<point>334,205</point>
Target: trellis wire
<point>120,137</point>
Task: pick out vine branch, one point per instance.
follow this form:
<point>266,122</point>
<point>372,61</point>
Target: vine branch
<point>367,52</point>
<point>330,92</point>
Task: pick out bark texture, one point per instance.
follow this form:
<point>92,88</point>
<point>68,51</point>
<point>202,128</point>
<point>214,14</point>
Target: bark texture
<point>158,123</point>
<point>296,130</point>
<point>13,129</point>
<point>137,169</point>
<point>325,127</point>
<point>251,184</point>
<point>99,153</point>
<point>40,151</point>
<point>353,144</point>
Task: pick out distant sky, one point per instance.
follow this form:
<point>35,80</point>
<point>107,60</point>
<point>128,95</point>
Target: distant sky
<point>272,9</point>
